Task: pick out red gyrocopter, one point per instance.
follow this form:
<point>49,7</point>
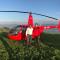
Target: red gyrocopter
<point>19,32</point>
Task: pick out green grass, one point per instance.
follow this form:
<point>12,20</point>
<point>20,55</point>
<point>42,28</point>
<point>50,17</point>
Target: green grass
<point>48,49</point>
<point>51,39</point>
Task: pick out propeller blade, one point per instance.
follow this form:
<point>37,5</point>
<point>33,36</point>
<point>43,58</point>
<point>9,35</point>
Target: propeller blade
<point>31,13</point>
<point>15,11</point>
<point>9,11</point>
<point>45,16</point>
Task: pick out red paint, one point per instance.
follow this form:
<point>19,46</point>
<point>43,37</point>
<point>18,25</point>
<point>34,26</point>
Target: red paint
<point>37,31</point>
<point>30,20</point>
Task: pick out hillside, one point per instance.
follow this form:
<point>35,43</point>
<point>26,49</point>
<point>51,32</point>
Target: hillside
<point>51,39</point>
<point>48,49</point>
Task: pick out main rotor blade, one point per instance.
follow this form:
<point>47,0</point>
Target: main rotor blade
<point>15,11</point>
<point>45,16</point>
<point>31,13</point>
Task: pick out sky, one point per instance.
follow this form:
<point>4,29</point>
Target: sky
<point>46,7</point>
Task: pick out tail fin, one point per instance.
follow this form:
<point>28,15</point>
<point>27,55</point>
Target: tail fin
<point>59,25</point>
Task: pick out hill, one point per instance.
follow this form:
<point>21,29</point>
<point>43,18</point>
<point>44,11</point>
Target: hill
<point>48,49</point>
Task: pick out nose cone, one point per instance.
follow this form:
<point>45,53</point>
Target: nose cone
<point>30,20</point>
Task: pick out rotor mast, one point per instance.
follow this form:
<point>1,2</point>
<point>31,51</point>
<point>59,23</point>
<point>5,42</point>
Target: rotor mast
<point>30,19</point>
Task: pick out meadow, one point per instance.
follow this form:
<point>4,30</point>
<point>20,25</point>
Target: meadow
<point>47,49</point>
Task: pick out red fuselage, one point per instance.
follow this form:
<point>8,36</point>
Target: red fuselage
<point>36,30</point>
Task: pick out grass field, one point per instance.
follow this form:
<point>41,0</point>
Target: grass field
<point>51,39</point>
<point>48,49</point>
